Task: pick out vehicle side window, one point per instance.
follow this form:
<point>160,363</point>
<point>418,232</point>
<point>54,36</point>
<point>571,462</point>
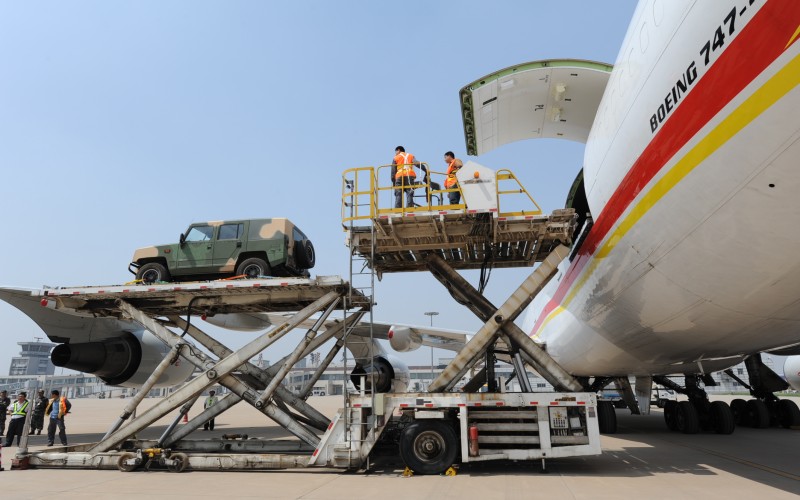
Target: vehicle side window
<point>230,231</point>
<point>200,233</point>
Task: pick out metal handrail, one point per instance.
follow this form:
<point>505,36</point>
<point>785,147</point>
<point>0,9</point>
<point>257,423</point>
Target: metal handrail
<point>504,175</point>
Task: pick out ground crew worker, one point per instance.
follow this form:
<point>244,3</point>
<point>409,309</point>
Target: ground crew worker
<point>37,417</point>
<point>451,182</point>
<point>19,410</point>
<point>57,408</point>
<point>4,404</point>
<point>211,400</point>
<point>403,176</point>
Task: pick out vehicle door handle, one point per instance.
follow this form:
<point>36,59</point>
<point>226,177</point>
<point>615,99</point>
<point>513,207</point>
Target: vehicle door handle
<point>238,244</point>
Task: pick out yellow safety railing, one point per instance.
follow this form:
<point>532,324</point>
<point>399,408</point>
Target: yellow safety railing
<point>368,192</point>
<point>507,175</point>
<point>359,198</point>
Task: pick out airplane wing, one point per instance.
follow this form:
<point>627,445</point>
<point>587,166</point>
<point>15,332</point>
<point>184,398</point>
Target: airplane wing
<point>401,337</point>
<point>555,99</point>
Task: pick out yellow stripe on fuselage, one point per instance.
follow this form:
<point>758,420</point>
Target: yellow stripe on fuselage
<point>768,94</point>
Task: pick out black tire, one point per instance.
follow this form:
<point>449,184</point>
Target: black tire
<point>153,272</point>
<point>253,268</point>
<point>606,417</point>
<point>722,417</point>
<point>181,461</point>
<point>757,414</point>
<point>661,402</point>
<point>304,254</point>
<point>739,410</point>
<point>686,419</point>
<point>121,465</point>
<point>788,414</point>
<point>429,446</point>
<point>670,412</point>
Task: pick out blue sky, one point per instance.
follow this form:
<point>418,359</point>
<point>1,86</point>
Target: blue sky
<point>123,122</point>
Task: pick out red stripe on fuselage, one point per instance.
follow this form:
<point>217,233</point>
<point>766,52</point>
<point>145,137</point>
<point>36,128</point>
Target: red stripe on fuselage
<point>763,39</point>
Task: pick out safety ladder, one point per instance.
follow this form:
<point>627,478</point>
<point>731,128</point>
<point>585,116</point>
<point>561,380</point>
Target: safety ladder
<point>362,284</point>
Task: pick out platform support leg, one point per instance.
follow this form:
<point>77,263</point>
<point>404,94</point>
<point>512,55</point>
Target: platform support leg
<point>481,307</point>
<point>219,372</point>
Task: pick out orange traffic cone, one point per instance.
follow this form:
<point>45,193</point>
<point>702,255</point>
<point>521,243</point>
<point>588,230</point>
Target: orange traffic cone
<point>186,418</point>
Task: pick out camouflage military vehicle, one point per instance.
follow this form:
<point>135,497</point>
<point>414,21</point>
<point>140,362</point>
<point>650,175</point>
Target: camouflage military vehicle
<point>210,250</point>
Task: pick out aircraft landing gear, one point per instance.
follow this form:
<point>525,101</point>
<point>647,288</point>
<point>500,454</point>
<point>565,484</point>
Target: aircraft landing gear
<point>765,409</point>
<point>689,417</point>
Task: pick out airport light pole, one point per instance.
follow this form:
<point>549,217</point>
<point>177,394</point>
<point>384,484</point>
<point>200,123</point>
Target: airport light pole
<point>431,314</point>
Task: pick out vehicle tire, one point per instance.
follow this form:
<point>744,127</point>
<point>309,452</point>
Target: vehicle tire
<point>121,465</point>
<point>181,461</point>
<point>253,268</point>
<point>788,413</point>
<point>153,272</point>
<point>429,446</point>
<point>739,410</point>
<point>606,417</point>
<point>304,254</point>
<point>721,417</point>
<point>686,419</point>
<point>670,412</point>
<point>757,414</point>
<point>661,402</point>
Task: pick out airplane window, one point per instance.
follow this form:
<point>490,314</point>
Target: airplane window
<point>230,231</point>
<point>200,233</point>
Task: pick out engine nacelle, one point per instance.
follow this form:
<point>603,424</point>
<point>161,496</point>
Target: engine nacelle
<point>791,370</point>
<point>242,322</point>
<point>404,339</point>
<point>389,373</point>
<point>126,360</point>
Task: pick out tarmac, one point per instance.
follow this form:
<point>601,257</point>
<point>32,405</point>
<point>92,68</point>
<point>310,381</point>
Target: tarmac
<point>643,459</point>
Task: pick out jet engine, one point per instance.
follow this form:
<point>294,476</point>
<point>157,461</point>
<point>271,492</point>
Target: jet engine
<point>125,360</point>
<point>389,373</point>
<point>791,370</point>
<point>404,339</point>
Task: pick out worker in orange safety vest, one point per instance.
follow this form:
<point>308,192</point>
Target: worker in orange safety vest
<point>403,176</point>
<point>450,182</point>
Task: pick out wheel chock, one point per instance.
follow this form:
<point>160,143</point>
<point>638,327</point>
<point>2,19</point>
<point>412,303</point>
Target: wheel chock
<point>408,472</point>
<point>451,471</point>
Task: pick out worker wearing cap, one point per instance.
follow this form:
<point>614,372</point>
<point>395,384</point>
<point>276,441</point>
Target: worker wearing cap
<point>403,176</point>
<point>19,410</point>
<point>451,182</point>
<point>37,415</point>
<point>211,400</point>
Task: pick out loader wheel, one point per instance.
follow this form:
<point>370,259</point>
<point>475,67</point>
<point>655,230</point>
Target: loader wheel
<point>181,461</point>
<point>606,417</point>
<point>152,272</point>
<point>126,467</point>
<point>253,268</point>
<point>428,446</point>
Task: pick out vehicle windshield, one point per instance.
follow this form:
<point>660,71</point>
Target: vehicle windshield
<point>200,233</point>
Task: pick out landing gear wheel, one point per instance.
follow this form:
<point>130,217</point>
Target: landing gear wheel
<point>722,418</point>
<point>739,409</point>
<point>606,417</point>
<point>180,462</point>
<point>686,419</point>
<point>670,413</point>
<point>152,272</point>
<point>788,414</point>
<point>126,467</point>
<point>428,446</point>
<point>757,414</point>
<point>253,268</point>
